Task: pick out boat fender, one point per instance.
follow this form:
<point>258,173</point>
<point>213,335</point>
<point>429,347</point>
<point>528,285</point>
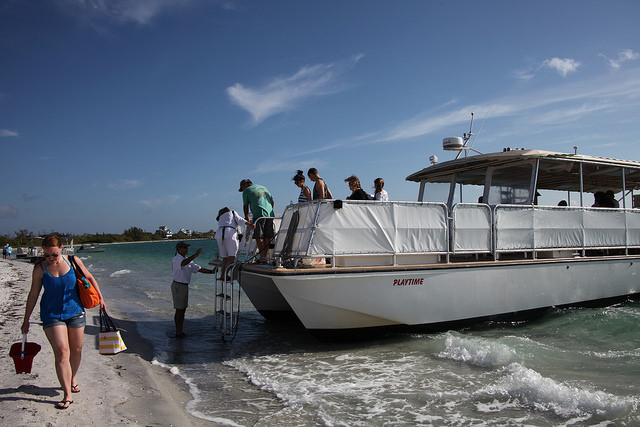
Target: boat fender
<point>337,204</point>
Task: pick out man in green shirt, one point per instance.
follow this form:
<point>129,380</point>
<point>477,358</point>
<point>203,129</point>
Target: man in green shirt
<point>259,200</point>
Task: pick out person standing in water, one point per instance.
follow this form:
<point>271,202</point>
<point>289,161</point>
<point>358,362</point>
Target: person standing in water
<point>183,267</point>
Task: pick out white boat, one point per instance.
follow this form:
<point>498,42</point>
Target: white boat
<point>90,248</point>
<point>350,265</point>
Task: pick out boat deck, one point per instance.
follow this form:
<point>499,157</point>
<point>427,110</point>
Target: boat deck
<point>457,262</point>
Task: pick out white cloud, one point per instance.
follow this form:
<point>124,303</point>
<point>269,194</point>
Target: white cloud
<point>8,212</point>
<point>124,184</point>
<point>7,132</point>
<point>154,203</point>
<point>284,93</point>
<point>122,11</point>
<point>562,66</point>
<point>558,104</point>
<point>623,56</point>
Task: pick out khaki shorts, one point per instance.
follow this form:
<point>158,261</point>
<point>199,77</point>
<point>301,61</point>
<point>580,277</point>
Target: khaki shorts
<point>180,294</point>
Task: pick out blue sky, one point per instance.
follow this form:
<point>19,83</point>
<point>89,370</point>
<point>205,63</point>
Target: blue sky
<point>149,112</point>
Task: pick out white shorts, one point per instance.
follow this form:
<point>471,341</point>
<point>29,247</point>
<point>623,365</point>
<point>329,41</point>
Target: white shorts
<point>228,246</point>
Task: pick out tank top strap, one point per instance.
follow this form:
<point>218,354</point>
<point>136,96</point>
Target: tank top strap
<point>46,270</point>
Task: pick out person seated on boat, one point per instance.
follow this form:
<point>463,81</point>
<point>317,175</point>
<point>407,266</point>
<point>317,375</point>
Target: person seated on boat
<point>357,193</point>
<point>562,203</point>
<point>320,188</point>
<point>601,201</point>
<point>380,193</point>
<point>610,198</point>
<point>305,193</point>
<point>227,237</point>
<point>481,199</point>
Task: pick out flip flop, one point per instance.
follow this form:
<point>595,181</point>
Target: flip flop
<point>75,389</point>
<point>64,404</point>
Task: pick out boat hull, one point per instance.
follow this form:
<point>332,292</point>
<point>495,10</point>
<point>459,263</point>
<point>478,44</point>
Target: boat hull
<point>264,295</point>
<point>450,293</point>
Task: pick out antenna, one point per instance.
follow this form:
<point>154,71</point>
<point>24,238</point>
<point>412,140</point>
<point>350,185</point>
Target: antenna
<point>465,140</point>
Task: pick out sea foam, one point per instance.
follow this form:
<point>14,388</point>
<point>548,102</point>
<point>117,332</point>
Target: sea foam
<point>532,389</point>
<point>120,273</point>
<point>476,351</point>
<point>195,394</point>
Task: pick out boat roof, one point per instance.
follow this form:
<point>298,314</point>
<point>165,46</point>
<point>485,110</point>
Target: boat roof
<point>557,171</point>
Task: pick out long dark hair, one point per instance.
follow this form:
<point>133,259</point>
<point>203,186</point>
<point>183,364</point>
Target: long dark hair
<point>378,184</point>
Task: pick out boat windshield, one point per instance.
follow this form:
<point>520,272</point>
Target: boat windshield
<point>510,185</point>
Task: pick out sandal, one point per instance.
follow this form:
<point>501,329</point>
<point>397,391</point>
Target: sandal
<point>75,389</point>
<point>64,404</point>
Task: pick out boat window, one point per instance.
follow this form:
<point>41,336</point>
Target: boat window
<point>510,185</point>
<point>467,194</point>
<point>436,192</point>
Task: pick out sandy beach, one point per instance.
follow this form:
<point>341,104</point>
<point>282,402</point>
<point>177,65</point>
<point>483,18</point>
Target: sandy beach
<point>120,389</point>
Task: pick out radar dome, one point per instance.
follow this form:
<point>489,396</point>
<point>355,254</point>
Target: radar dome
<point>454,143</point>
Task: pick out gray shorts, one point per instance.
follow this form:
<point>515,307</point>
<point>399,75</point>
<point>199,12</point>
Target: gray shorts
<point>77,321</point>
<point>180,294</point>
<point>264,229</point>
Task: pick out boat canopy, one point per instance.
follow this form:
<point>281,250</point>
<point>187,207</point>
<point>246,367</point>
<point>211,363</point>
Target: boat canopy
<point>555,171</point>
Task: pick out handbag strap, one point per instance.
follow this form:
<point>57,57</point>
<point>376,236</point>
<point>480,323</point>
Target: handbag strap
<point>76,268</point>
<point>106,323</point>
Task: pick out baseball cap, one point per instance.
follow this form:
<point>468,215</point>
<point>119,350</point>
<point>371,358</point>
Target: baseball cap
<point>181,245</point>
<point>243,182</point>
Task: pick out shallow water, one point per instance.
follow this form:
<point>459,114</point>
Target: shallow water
<point>570,367</point>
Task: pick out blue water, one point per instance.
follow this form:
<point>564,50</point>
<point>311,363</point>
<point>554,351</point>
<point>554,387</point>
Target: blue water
<point>570,367</point>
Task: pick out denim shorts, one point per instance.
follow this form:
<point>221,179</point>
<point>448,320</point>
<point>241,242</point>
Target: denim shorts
<point>77,321</point>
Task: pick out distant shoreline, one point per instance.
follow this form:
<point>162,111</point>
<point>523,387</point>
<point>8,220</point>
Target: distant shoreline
<point>142,241</point>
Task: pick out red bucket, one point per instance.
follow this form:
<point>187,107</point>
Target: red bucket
<point>23,354</point>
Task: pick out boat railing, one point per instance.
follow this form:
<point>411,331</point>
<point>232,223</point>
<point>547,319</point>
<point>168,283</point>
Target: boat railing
<point>361,233</point>
<point>349,233</point>
<point>247,248</point>
<point>471,228</point>
<point>549,228</point>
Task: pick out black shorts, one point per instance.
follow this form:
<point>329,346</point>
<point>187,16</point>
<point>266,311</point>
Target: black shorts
<point>264,229</point>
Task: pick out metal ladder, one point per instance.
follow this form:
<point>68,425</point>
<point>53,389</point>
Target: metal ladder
<point>227,302</point>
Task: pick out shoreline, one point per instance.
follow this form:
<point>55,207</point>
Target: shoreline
<point>126,388</point>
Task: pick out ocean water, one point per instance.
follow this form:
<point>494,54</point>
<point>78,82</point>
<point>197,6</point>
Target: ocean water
<point>569,367</point>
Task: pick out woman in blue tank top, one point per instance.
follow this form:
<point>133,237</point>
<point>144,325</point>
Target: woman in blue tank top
<point>61,312</point>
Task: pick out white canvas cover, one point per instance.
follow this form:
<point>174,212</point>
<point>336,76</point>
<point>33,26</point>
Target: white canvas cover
<point>540,227</point>
<point>366,228</point>
<point>375,228</point>
<point>471,228</point>
<point>633,227</point>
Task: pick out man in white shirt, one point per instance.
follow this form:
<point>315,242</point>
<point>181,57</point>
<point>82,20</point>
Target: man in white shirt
<point>183,268</point>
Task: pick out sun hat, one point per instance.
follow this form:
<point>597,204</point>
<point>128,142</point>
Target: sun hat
<point>181,245</point>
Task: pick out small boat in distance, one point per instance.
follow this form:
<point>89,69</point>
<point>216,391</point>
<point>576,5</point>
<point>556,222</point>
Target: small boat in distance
<point>90,248</point>
<point>492,236</point>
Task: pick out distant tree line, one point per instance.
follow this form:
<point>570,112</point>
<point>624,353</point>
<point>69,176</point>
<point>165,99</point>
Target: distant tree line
<point>26,238</point>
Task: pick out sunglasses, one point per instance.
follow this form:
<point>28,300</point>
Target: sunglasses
<point>51,255</point>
